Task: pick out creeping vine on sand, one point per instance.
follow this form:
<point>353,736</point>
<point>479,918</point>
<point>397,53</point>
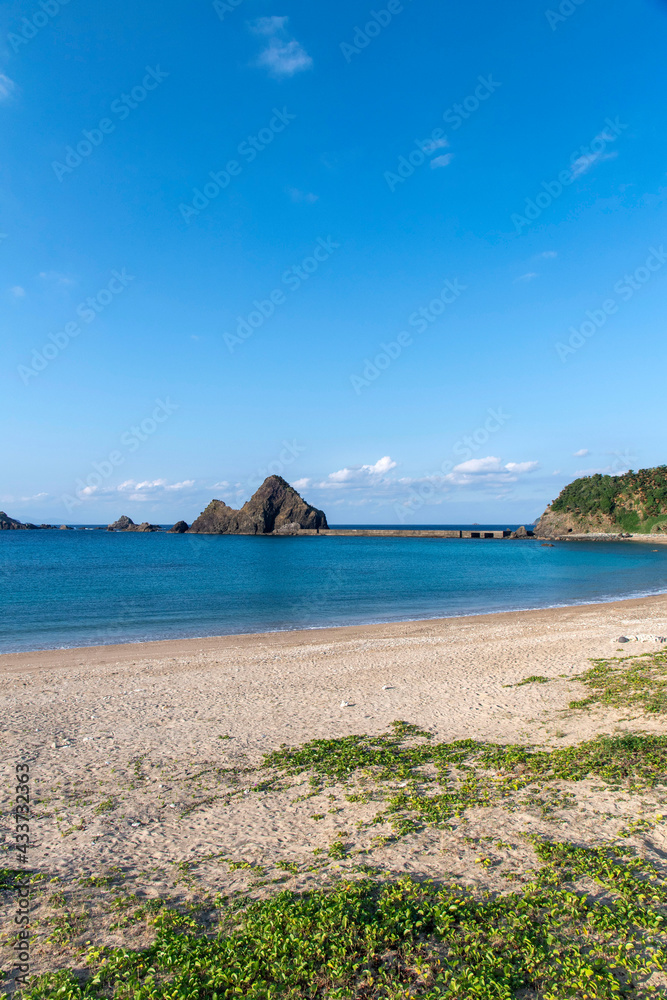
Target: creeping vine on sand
<point>402,938</point>
<point>638,681</point>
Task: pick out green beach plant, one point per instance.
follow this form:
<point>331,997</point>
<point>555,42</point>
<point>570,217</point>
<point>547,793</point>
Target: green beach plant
<point>402,938</point>
<point>638,681</point>
<point>424,783</point>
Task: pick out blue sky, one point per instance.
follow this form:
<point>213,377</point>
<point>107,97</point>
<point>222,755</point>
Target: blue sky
<point>411,260</point>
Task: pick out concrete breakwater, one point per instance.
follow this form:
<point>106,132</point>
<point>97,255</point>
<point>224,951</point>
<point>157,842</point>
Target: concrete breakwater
<point>408,532</point>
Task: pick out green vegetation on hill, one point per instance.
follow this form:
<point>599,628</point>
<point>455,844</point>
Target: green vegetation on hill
<point>635,501</point>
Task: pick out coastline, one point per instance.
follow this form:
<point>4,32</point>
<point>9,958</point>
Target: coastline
<point>156,648</point>
<point>181,646</point>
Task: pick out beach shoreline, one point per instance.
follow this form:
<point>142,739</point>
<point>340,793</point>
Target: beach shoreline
<point>119,652</point>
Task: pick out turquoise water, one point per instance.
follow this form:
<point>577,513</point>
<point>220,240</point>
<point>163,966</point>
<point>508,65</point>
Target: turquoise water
<point>77,588</point>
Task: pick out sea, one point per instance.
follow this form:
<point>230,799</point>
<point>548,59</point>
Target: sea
<point>63,589</point>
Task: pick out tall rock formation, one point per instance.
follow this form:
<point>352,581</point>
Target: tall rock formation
<point>275,505</point>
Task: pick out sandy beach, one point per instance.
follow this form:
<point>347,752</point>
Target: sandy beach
<point>144,757</point>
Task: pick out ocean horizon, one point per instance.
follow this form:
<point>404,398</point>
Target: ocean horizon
<point>80,588</point>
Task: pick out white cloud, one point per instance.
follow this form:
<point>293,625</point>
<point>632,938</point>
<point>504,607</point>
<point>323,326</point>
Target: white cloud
<point>431,145</point>
<point>361,473</point>
<point>491,464</point>
<point>7,87</point>
<point>130,489</point>
<point>152,484</point>
<point>522,466</point>
<point>488,471</point>
<point>382,465</point>
<point>382,488</point>
<point>307,196</point>
<point>283,56</point>
<point>153,489</point>
<point>301,484</point>
<point>18,292</point>
<point>342,476</point>
<point>526,277</point>
<point>581,453</point>
<point>476,465</point>
<point>584,163</point>
<point>548,255</point>
<point>269,25</point>
<point>442,161</point>
<point>57,277</point>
